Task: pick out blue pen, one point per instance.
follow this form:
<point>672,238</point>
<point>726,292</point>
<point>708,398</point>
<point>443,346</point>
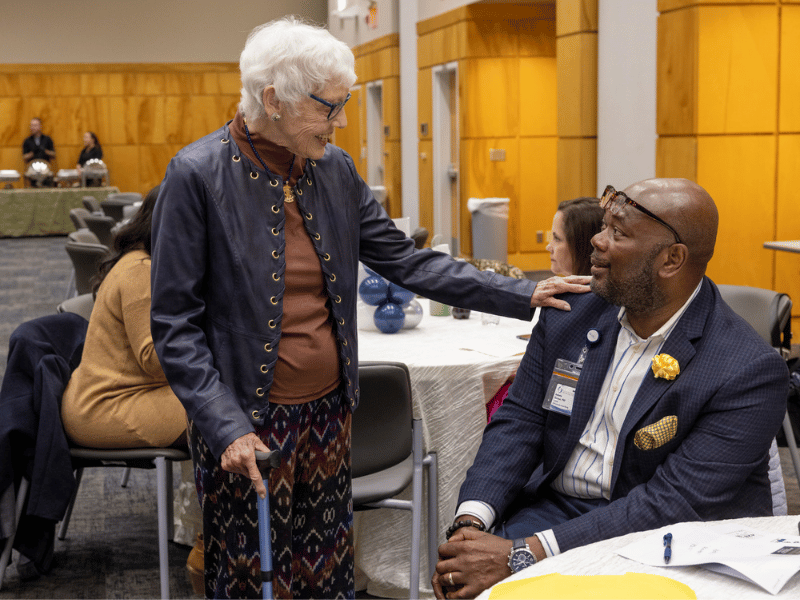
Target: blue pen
<point>667,548</point>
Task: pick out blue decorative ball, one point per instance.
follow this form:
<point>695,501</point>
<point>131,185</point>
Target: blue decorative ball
<point>374,290</point>
<point>389,318</point>
<point>400,295</point>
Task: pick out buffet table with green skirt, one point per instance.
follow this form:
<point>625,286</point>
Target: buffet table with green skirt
<point>34,212</point>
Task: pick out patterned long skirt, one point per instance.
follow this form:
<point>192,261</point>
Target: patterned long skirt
<point>311,508</point>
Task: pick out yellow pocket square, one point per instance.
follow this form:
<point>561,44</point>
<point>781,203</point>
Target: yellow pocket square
<point>657,434</point>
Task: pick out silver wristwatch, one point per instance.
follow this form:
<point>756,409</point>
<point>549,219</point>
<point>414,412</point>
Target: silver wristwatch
<point>520,556</point>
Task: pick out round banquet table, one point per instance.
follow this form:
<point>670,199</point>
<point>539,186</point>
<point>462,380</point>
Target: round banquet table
<point>601,558</point>
<point>456,367</point>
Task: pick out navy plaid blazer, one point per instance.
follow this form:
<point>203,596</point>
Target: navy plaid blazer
<point>729,400</point>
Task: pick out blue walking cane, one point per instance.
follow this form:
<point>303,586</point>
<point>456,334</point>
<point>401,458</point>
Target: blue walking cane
<point>265,462</point>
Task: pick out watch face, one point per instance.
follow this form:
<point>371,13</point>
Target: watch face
<point>520,559</point>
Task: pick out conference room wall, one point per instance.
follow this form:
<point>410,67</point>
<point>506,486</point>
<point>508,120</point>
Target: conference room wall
<point>507,101</point>
<point>728,118</point>
<point>142,113</point>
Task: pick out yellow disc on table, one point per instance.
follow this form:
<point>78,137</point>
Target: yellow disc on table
<point>577,587</point>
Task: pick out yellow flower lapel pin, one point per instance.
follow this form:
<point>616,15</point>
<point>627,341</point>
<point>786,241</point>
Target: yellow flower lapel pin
<point>665,367</point>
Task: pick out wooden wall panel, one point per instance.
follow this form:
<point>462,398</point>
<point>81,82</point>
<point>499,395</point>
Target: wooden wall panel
<point>741,99</point>
<point>537,193</point>
<point>426,184</point>
<point>393,178</point>
<point>676,157</point>
<point>577,85</point>
<point>787,265</point>
<point>349,138</point>
<point>425,103</point>
<point>573,16</point>
<point>489,88</point>
<point>141,113</point>
<point>676,73</point>
<point>789,75</point>
<point>538,96</point>
<point>734,170</point>
<point>577,167</point>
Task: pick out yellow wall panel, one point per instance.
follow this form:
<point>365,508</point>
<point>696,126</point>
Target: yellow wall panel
<point>489,38</point>
<point>150,84</point>
<point>66,84</point>
<point>123,113</point>
<point>349,138</point>
<point>734,170</point>
<point>425,166</point>
<point>538,96</point>
<point>391,107</point>
<point>737,69</point>
<point>665,5</point>
<point>13,123</point>
<point>94,84</point>
<point>393,178</point>
<point>537,37</point>
<point>176,116</point>
<point>676,73</point>
<point>489,94</point>
<point>675,157</point>
<point>10,84</point>
<point>150,121</point>
<point>577,85</point>
<point>577,167</point>
<point>153,161</point>
<point>485,178</point>
<point>538,190</point>
<point>573,16</point>
<point>790,75</point>
<point>787,265</point>
<point>36,84</point>
<point>424,102</point>
<point>123,167</point>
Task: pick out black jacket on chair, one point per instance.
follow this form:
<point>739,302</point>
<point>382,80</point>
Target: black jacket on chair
<point>42,354</point>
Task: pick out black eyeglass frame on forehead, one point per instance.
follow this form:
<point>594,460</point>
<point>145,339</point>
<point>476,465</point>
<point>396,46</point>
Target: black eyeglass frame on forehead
<point>336,107</point>
<point>614,201</point>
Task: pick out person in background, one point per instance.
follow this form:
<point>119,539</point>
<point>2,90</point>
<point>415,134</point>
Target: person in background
<point>118,397</point>
<point>649,403</point>
<point>38,146</point>
<point>91,149</point>
<point>257,236</point>
<point>575,222</point>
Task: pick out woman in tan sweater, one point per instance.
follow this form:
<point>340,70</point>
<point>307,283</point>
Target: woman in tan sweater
<point>118,397</point>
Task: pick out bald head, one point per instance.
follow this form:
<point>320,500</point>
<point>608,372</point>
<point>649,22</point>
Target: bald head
<point>688,208</point>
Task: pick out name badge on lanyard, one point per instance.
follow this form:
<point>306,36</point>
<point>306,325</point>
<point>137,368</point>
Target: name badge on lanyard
<point>561,390</point>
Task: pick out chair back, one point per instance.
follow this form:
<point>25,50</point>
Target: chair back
<point>78,217</point>
<point>767,311</point>
<point>84,236</point>
<point>92,205</point>
<point>382,423</point>
<point>80,305</point>
<point>85,259</point>
<point>125,197</point>
<point>101,226</point>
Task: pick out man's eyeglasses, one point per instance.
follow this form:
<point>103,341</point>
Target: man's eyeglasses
<point>336,107</point>
<point>613,201</point>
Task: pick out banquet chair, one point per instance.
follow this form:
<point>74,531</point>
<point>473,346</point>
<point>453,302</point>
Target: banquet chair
<point>101,226</point>
<point>80,305</point>
<point>83,236</point>
<point>770,314</point>
<point>161,460</point>
<point>77,216</point>
<point>91,204</point>
<point>387,455</point>
<point>85,259</point>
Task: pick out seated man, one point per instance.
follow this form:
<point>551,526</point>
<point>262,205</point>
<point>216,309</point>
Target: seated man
<point>38,146</point>
<point>650,403</point>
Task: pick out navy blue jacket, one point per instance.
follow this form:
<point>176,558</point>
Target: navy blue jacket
<point>729,399</point>
<point>217,276</point>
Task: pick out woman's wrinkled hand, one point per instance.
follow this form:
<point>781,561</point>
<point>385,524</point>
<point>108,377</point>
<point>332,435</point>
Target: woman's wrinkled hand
<point>240,458</point>
<point>547,289</point>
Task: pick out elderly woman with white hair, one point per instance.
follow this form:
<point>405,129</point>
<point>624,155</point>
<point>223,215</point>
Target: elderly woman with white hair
<point>257,235</point>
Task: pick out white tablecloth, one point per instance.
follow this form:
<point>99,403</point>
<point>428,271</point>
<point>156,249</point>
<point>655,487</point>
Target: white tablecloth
<point>601,558</point>
<point>456,367</point>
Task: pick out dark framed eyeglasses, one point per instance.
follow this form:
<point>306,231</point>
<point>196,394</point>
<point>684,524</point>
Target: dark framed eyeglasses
<point>613,201</point>
<point>336,107</point>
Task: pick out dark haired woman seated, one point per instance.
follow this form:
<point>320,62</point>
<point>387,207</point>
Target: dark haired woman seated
<point>118,397</point>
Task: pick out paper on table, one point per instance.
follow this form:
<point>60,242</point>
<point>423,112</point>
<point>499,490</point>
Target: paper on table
<point>766,559</point>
